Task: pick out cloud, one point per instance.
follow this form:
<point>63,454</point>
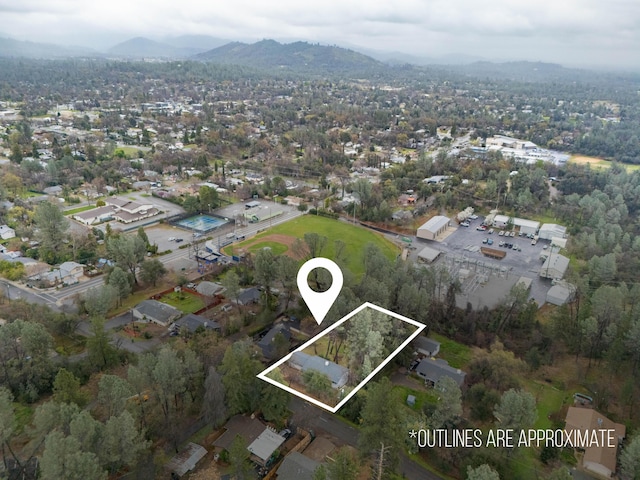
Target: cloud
<point>541,28</point>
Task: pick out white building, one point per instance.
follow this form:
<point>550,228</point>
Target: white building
<point>555,266</point>
<point>525,226</point>
<point>551,230</point>
<point>7,232</point>
<point>433,227</point>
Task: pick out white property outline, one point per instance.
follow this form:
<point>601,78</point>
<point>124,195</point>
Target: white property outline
<point>263,375</point>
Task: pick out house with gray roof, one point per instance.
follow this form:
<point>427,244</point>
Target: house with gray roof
<point>192,322</point>
<point>263,447</point>
<point>432,370</point>
<point>209,289</point>
<point>338,374</point>
<point>266,343</point>
<point>297,466</point>
<point>157,312</point>
<point>427,346</point>
<point>249,296</point>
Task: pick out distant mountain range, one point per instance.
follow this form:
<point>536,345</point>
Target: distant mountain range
<point>297,55</point>
<point>18,48</point>
<point>170,48</point>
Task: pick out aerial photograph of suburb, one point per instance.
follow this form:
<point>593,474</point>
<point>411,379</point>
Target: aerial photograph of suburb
<point>337,240</point>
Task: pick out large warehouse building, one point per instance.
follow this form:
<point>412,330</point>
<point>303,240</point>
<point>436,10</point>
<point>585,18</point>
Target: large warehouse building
<point>524,225</point>
<point>435,226</point>
<point>551,230</point>
<point>555,266</point>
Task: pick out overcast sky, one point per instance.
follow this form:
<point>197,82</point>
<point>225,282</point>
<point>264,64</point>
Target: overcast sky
<point>571,32</point>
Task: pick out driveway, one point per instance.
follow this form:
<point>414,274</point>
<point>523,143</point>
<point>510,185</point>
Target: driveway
<point>311,417</point>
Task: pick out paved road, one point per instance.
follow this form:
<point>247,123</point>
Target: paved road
<point>55,298</point>
<point>311,417</point>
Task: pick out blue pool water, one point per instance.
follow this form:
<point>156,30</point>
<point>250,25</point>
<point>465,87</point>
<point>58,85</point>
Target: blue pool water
<point>201,223</point>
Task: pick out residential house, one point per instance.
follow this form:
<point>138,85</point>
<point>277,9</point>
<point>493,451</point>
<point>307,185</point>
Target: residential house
<point>297,466</point>
<point>209,289</point>
<point>157,312</point>
<point>192,322</point>
<point>427,346</point>
<point>263,447</point>
<point>338,374</point>
<point>54,191</point>
<point>70,272</point>
<point>432,370</point>
<point>597,459</point>
<point>267,344</point>
<point>7,232</point>
<point>239,425</point>
<point>249,296</point>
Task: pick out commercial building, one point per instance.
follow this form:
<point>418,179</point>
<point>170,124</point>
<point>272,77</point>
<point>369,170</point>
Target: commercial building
<point>428,255</point>
<point>433,227</point>
<point>551,230</point>
<point>529,227</point>
<point>555,266</point>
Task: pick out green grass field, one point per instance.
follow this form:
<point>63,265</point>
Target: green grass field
<point>596,162</point>
<point>73,211</point>
<point>457,354</point>
<point>183,301</point>
<point>276,248</point>
<point>354,237</point>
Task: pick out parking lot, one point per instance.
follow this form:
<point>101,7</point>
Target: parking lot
<point>465,243</point>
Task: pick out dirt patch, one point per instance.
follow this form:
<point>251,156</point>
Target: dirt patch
<point>285,240</point>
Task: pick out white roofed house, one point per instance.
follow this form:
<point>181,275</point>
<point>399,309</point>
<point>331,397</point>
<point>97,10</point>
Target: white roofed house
<point>7,232</point>
<point>70,272</point>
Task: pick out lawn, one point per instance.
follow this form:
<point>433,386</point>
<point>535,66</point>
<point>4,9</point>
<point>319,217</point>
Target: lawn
<point>457,354</point>
<point>422,397</point>
<point>276,248</point>
<point>596,162</point>
<point>73,211</point>
<point>354,237</point>
<point>183,301</point>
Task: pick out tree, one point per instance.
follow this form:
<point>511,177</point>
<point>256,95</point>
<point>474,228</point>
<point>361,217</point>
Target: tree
<point>101,353</point>
<point>214,408</point>
<point>122,443</point>
<point>52,228</point>
<point>380,420</point>
<point>343,467</point>
<point>143,235</point>
<point>98,301</point>
<point>208,197</point>
<point>66,388</point>
<point>317,382</point>
<point>63,457</point>
<point>483,472</point>
<point>449,404</point>
<point>274,402</point>
<point>119,281</point>
<point>191,204</point>
<point>7,420</point>
<point>630,460</point>
<point>239,368</point>
<point>286,275</point>
<point>128,252</point>
<point>113,393</point>
<point>516,410</point>
<point>265,270</point>
<point>152,270</point>
<point>231,282</point>
<point>239,459</point>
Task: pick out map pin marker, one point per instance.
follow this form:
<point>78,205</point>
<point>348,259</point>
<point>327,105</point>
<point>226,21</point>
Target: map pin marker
<point>319,303</point>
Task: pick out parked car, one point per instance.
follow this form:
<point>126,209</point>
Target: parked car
<point>286,433</point>
<point>464,224</point>
<point>490,242</point>
<point>171,239</point>
<point>473,217</point>
<point>485,240</point>
<point>534,241</point>
<point>481,228</point>
<point>490,231</point>
<point>178,240</point>
<point>501,233</point>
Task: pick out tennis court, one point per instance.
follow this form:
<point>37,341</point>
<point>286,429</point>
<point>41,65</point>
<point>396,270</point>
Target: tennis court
<point>201,223</point>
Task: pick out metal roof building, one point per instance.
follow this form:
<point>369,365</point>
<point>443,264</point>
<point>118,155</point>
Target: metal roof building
<point>555,266</point>
<point>433,227</point>
<point>550,230</point>
<point>428,254</point>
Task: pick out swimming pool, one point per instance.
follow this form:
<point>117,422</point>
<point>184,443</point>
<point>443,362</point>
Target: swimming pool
<point>201,223</point>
